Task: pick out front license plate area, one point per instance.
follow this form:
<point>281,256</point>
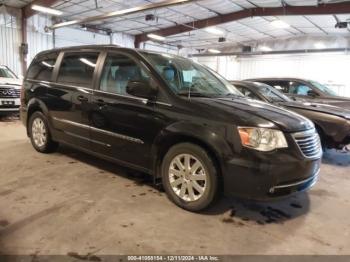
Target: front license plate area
<point>8,103</point>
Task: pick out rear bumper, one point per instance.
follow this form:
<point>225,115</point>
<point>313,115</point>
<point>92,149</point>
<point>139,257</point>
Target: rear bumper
<point>272,176</point>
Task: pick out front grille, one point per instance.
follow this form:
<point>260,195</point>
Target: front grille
<point>9,92</point>
<point>309,143</point>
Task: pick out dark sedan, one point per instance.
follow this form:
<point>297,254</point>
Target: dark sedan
<point>332,122</point>
<point>305,90</point>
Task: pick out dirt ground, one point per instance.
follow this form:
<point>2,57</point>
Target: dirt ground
<point>71,203</point>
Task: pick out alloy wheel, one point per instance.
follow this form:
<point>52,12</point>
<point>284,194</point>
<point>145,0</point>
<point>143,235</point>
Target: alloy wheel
<point>39,132</point>
<point>187,177</point>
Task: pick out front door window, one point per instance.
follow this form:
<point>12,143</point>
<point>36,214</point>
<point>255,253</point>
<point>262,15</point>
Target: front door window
<point>118,71</point>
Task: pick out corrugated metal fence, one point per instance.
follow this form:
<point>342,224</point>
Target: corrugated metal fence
<point>38,40</point>
<point>330,69</point>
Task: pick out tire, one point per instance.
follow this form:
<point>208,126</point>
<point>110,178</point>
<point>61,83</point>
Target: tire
<point>322,139</point>
<point>39,133</point>
<point>193,190</point>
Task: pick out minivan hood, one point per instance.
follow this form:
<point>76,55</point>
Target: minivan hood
<point>317,107</point>
<point>10,81</point>
<point>239,108</point>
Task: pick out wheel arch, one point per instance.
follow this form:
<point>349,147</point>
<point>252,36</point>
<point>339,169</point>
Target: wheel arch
<point>214,145</point>
<point>35,105</point>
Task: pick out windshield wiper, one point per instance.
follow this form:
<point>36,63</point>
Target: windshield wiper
<point>234,95</point>
<point>193,93</point>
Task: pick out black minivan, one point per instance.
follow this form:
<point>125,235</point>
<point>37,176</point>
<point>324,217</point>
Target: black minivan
<point>169,117</point>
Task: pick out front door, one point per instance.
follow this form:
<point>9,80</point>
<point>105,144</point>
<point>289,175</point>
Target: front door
<point>123,126</point>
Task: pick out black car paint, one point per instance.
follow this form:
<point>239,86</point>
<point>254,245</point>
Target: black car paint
<point>318,97</point>
<point>332,121</point>
<point>137,132</point>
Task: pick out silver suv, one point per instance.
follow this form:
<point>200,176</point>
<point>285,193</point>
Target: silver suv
<point>10,88</point>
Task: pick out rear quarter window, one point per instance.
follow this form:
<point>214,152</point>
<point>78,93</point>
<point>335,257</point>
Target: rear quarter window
<point>42,67</point>
<point>78,69</point>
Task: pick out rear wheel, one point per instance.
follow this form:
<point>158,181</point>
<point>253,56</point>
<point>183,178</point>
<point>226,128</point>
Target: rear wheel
<point>189,177</point>
<point>39,134</point>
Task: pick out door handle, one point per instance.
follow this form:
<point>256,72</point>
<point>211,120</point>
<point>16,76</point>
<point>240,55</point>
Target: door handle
<point>100,102</point>
<point>82,98</point>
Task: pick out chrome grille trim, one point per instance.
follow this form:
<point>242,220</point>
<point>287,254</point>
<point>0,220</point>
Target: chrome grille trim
<point>9,92</point>
<point>308,143</point>
<point>313,179</point>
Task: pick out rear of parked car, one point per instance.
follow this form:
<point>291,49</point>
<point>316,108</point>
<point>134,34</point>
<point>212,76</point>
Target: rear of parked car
<point>171,118</point>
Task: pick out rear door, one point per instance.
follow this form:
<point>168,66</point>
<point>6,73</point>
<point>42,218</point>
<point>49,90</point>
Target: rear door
<point>71,96</point>
<point>38,79</point>
<point>123,126</point>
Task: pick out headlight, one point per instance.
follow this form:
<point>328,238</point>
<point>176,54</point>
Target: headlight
<point>262,139</point>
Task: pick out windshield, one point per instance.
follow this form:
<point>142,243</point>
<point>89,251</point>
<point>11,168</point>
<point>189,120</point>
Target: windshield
<point>185,77</point>
<point>6,73</point>
<point>271,94</point>
<point>324,88</point>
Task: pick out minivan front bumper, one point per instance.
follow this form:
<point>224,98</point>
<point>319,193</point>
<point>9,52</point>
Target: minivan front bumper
<point>261,179</point>
<point>294,186</point>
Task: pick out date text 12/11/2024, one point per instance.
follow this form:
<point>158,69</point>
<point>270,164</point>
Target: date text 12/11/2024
<point>173,258</point>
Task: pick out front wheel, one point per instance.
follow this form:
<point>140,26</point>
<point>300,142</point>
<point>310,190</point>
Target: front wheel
<point>39,134</point>
<point>189,177</point>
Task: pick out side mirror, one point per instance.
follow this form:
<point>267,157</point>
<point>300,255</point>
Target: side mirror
<point>141,89</point>
<point>312,93</point>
